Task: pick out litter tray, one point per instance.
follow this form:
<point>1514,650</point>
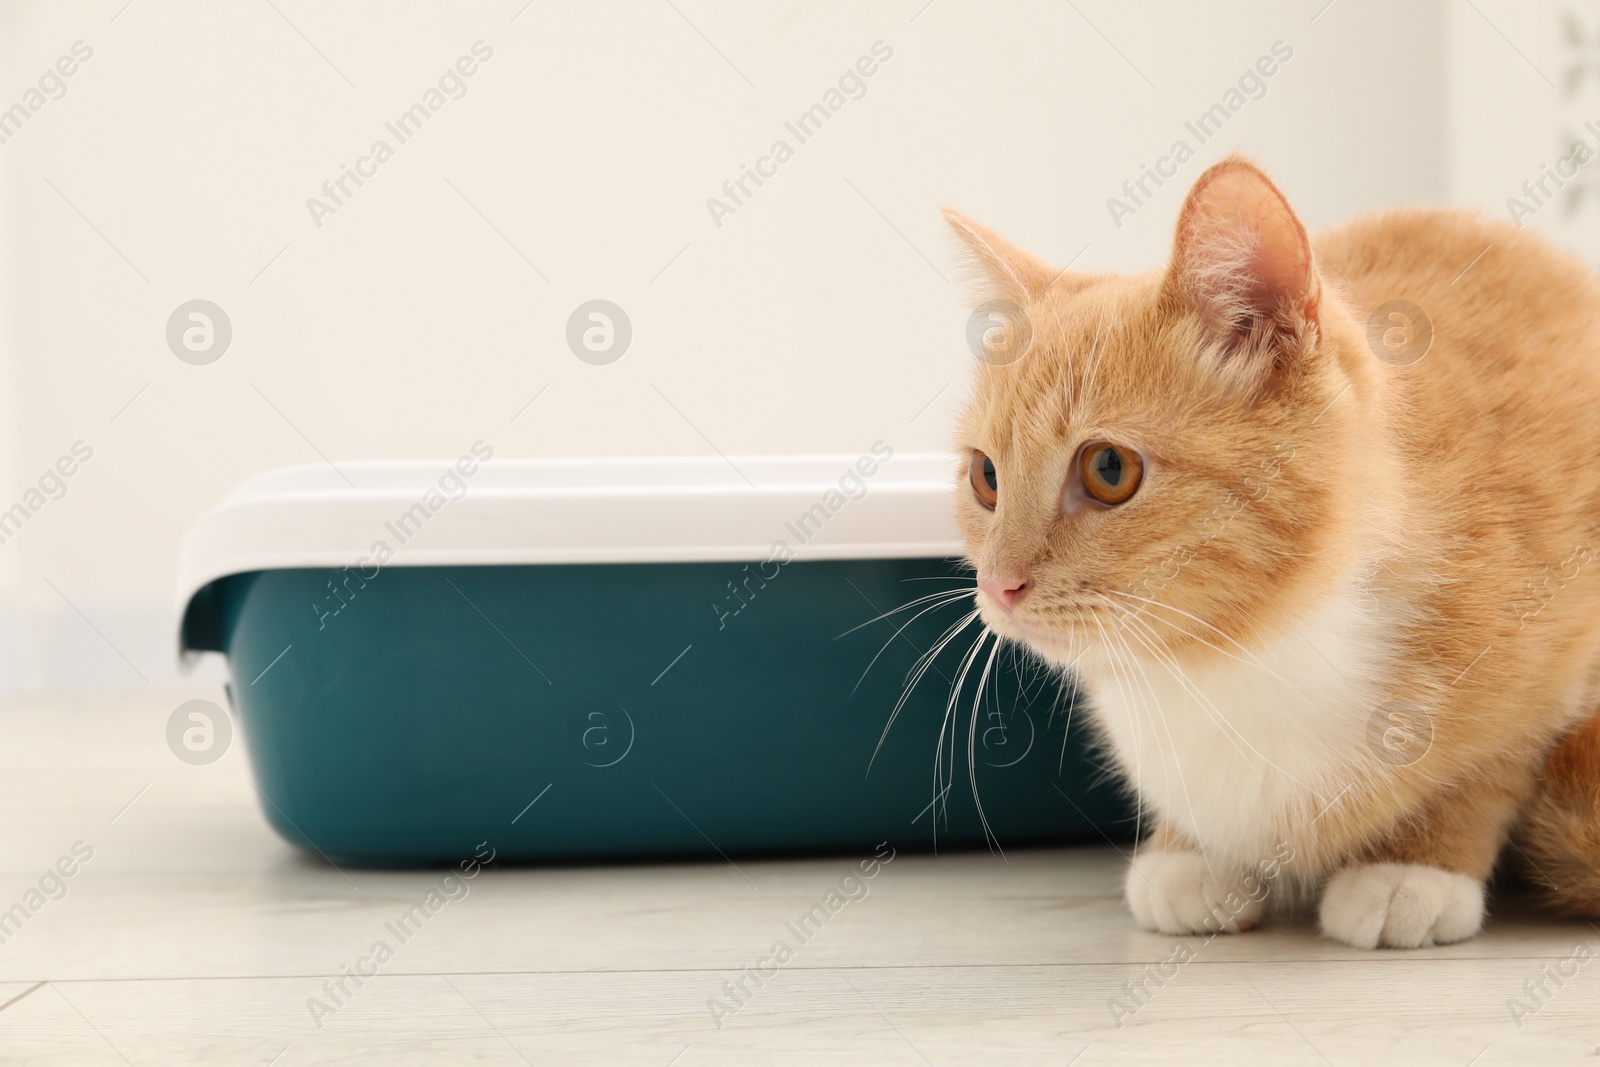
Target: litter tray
<point>620,659</point>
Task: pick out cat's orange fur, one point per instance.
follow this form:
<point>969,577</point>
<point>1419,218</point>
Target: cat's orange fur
<point>1427,530</point>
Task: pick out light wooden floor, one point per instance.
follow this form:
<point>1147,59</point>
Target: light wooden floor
<point>195,935</point>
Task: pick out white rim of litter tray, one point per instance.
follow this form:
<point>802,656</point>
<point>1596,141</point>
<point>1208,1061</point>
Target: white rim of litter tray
<point>520,511</point>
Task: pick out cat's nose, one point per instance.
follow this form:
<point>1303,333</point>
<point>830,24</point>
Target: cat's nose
<point>1005,590</point>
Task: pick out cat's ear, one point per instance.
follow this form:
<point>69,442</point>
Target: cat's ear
<point>1007,272</point>
<point>1243,261</point>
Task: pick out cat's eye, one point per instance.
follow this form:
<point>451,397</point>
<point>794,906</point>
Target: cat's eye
<point>1110,474</point>
<point>981,473</point>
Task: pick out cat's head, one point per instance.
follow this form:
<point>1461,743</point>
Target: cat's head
<point>1188,442</point>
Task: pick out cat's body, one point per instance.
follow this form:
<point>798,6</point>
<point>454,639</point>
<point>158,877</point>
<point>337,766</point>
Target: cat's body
<point>1353,605</point>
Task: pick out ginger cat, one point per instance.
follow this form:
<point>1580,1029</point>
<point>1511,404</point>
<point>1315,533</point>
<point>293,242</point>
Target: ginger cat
<point>1325,566</point>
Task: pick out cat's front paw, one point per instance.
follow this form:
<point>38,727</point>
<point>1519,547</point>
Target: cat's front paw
<point>1175,891</point>
<point>1401,905</point>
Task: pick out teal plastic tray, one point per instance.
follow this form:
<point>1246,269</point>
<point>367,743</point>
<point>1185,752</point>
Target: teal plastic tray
<point>622,710</point>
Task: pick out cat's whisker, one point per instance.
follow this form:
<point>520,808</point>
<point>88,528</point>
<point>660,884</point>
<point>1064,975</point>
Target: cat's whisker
<point>1157,648</point>
<point>972,753</point>
<point>1097,353</point>
<point>954,593</point>
<point>1072,706</point>
<point>1156,714</point>
<point>1147,638</point>
<point>1234,735</point>
<point>1061,330</point>
<point>957,687</point>
<point>1247,657</point>
<point>1114,655</point>
<point>940,600</point>
<point>1044,672</point>
<point>1154,603</point>
<point>948,723</point>
<point>914,678</point>
<point>915,675</point>
<point>1139,708</point>
<point>1169,757</point>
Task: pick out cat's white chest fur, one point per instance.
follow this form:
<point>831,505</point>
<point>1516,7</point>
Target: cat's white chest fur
<point>1249,751</point>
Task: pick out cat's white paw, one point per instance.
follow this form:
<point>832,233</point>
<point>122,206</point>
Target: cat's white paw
<point>1401,905</point>
<point>1175,892</point>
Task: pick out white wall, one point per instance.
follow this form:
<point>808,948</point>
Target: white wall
<point>1525,88</point>
<point>822,315</point>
